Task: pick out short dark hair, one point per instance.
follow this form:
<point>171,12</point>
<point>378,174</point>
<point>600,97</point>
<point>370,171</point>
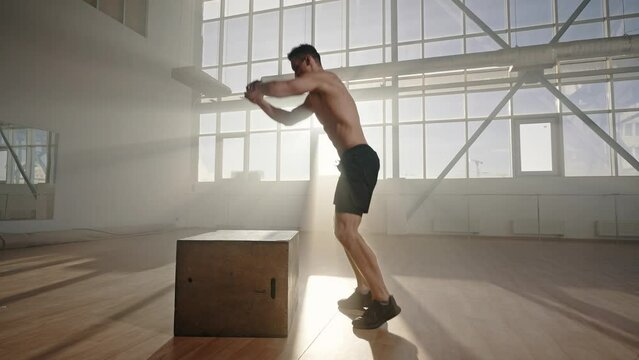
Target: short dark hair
<point>302,50</point>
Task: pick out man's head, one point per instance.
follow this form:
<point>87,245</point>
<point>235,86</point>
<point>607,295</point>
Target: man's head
<point>304,58</point>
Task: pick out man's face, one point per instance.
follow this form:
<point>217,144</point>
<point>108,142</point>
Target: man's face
<point>299,66</point>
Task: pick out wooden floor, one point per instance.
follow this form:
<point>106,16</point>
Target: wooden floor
<point>462,298</point>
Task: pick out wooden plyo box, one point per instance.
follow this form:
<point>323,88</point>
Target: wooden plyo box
<point>236,283</point>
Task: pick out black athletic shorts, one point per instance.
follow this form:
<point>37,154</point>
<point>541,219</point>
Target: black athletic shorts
<point>359,167</point>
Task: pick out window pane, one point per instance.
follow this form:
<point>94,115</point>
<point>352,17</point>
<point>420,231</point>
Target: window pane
<point>295,2</point>
<point>236,40</point>
<point>411,153</point>
<point>532,37</point>
<point>365,21</point>
<point>19,137</point>
<point>263,154</point>
<point>444,107</point>
<point>535,147</point>
<point>409,25</point>
<point>235,78</point>
<point>626,94</point>
<point>233,157</point>
<point>410,109</point>
<point>330,27</point>
<point>491,12</point>
<point>236,7</point>
<point>389,153</point>
<point>297,28</point>
<point>628,136</point>
<point>259,70</point>
<point>481,44</point>
<point>261,121</point>
<point>584,32</point>
<point>40,163</point>
<point>489,156</point>
<point>619,7</point>
<point>587,96</point>
<point>334,61</point>
<point>266,35</point>
<point>233,121</point>
<point>443,48</point>
<point>441,18</point>
<point>371,112</point>
<point>375,138</point>
<point>16,175</point>
<point>565,8</point>
<point>624,27</point>
<point>259,5</point>
<point>327,157</point>
<point>481,104</point>
<point>211,9</point>
<point>534,101</point>
<point>39,137</point>
<point>585,153</point>
<point>207,123</point>
<point>409,52</point>
<point>295,155</point>
<point>443,141</point>
<point>528,13</point>
<point>365,57</point>
<point>210,43</point>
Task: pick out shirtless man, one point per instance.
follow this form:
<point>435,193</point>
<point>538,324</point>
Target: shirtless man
<point>329,99</point>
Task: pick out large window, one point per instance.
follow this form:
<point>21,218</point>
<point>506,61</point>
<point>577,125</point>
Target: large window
<point>35,149</point>
<point>419,122</point>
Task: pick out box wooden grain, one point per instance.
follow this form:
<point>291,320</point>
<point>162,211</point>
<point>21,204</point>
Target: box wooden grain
<point>236,283</point>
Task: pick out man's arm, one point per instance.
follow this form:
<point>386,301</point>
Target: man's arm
<point>255,95</point>
<point>292,87</point>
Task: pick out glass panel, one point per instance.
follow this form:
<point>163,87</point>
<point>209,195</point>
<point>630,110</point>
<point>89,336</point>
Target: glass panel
<point>481,104</point>
<point>261,121</point>
<point>624,27</point>
<point>233,121</point>
<point>409,52</point>
<point>620,7</point>
<point>19,137</point>
<point>441,18</point>
<point>371,112</point>
<point>330,26</point>
<point>365,57</point>
<point>16,176</point>
<point>210,43</point>
<point>296,28</point>
<point>365,21</point>
<point>626,94</point>
<point>584,32</point>
<point>443,141</point>
<point>295,155</point>
<point>491,12</point>
<point>3,165</point>
<point>235,78</point>
<point>529,13</point>
<point>565,8</point>
<point>211,9</point>
<point>490,156</point>
<point>40,163</point>
<point>443,48</point>
<point>481,44</point>
<point>259,5</point>
<point>410,109</point>
<point>295,2</point>
<point>334,61</point>
<point>534,101</point>
<point>628,137</point>
<point>585,153</point>
<point>587,96</point>
<point>409,25</point>
<point>258,70</point>
<point>266,35</point>
<point>375,138</point>
<point>535,147</point>
<point>233,157</point>
<point>263,155</point>
<point>389,152</point>
<point>236,40</point>
<point>236,7</point>
<point>327,157</point>
<point>387,22</point>
<point>444,107</point>
<point>39,137</point>
<point>532,37</point>
<point>208,123</point>
<point>411,151</point>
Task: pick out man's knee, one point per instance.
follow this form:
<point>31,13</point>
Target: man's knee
<point>346,236</point>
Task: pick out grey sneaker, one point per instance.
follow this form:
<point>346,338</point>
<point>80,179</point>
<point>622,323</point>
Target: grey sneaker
<point>377,314</point>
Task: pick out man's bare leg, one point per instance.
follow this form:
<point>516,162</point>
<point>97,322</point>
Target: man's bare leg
<point>362,285</point>
<point>362,257</point>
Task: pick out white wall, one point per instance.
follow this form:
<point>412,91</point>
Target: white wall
<point>125,126</point>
